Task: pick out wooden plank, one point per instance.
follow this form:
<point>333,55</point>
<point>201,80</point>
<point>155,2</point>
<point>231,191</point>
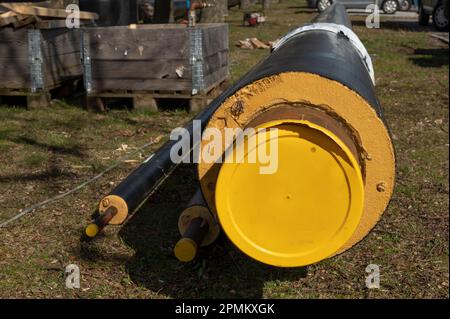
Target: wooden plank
<point>9,34</point>
<point>61,55</point>
<point>215,38</point>
<point>61,68</point>
<point>95,104</point>
<point>154,94</point>
<point>38,100</point>
<point>60,52</point>
<point>215,62</point>
<point>54,24</point>
<point>45,12</point>
<point>23,22</point>
<point>45,4</point>
<point>14,73</point>
<point>197,104</point>
<point>11,18</point>
<point>214,79</point>
<point>60,41</point>
<point>8,14</point>
<point>150,69</point>
<point>101,85</point>
<point>145,102</point>
<point>138,44</point>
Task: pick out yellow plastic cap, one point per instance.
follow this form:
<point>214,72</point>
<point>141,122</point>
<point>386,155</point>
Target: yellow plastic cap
<point>303,212</point>
<point>92,230</point>
<point>185,250</point>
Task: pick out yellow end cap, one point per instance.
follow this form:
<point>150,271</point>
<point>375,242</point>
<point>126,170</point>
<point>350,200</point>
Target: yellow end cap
<point>185,250</point>
<point>92,230</point>
<point>303,212</point>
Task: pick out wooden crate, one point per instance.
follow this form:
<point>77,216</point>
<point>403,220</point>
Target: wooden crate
<point>155,61</point>
<point>35,61</point>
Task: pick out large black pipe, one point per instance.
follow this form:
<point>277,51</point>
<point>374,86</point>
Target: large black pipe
<point>335,14</point>
<point>320,52</point>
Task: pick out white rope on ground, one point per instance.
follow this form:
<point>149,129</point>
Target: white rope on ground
<point>56,198</point>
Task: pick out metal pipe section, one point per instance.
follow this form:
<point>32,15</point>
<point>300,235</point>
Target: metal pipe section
<point>336,160</point>
<point>187,247</point>
<point>100,222</point>
<point>335,165</point>
<point>319,52</point>
<point>198,228</point>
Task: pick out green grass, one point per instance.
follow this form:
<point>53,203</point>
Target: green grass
<point>45,152</point>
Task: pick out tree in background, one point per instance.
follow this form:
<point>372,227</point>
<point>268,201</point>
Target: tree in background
<point>216,13</point>
<point>163,11</point>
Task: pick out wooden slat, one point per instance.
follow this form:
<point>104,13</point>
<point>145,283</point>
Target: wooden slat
<point>53,24</point>
<point>14,73</point>
<point>138,44</point>
<point>150,69</point>
<point>8,14</point>
<point>214,79</point>
<point>100,85</point>
<point>10,18</point>
<point>54,78</point>
<point>215,38</point>
<point>60,52</point>
<point>23,22</point>
<point>215,62</point>
<point>60,41</point>
<point>45,12</point>
<point>14,43</point>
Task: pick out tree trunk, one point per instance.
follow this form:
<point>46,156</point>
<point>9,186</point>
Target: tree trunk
<point>163,11</point>
<point>216,13</point>
<point>245,4</point>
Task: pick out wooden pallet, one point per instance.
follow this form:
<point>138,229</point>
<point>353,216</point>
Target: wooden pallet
<point>150,100</point>
<point>38,99</point>
<point>34,62</point>
<point>148,63</point>
<point>31,100</point>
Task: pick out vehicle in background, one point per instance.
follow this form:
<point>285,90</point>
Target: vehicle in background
<point>388,6</point>
<point>405,5</point>
<point>438,9</point>
<point>179,8</point>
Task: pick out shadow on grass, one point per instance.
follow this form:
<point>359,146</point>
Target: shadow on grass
<point>47,175</point>
<point>305,11</point>
<point>301,7</point>
<point>73,150</point>
<point>412,26</point>
<point>430,58</point>
<point>221,271</point>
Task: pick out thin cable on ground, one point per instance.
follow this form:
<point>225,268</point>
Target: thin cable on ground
<point>56,198</point>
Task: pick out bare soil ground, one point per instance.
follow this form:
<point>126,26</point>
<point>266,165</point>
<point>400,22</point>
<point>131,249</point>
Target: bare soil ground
<point>48,151</point>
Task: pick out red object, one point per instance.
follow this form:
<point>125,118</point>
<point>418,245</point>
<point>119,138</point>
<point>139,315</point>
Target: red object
<point>252,21</point>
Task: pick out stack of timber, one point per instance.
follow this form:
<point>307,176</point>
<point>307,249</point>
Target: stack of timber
<point>38,53</point>
<point>148,63</point>
<point>43,14</point>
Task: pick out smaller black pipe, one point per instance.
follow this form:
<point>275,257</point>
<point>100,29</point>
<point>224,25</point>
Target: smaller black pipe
<point>197,230</point>
<point>197,199</point>
<point>106,217</point>
<point>93,229</point>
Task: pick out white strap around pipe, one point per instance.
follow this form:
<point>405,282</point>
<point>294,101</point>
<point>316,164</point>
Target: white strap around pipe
<point>335,28</point>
